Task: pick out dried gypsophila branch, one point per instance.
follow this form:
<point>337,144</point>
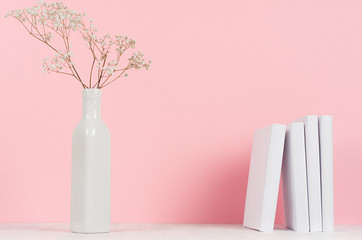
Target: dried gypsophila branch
<point>43,21</point>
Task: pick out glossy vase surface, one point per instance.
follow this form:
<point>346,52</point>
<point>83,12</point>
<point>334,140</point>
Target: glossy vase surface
<point>91,169</point>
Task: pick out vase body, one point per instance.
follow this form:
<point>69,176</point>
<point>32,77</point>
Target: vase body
<point>91,169</point>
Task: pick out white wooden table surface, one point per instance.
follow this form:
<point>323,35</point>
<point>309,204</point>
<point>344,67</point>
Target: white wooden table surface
<point>137,231</point>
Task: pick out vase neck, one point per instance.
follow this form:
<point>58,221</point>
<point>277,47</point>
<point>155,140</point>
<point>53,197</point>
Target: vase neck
<point>92,103</point>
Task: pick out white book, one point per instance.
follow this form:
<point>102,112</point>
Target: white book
<point>326,161</point>
<point>294,179</point>
<point>313,171</point>
<point>264,177</point>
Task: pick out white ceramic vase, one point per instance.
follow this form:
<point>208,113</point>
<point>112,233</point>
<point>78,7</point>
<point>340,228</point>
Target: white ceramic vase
<point>91,169</point>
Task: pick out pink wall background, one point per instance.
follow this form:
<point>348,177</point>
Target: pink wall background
<point>182,132</point>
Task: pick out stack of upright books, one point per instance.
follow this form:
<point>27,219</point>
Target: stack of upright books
<point>302,153</point>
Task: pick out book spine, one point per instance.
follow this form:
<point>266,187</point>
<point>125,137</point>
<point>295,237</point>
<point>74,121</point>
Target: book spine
<point>313,171</point>
<point>272,178</point>
<point>295,180</point>
<point>326,161</point>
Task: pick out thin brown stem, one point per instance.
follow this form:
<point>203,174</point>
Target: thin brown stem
<point>85,33</point>
<point>95,84</point>
<point>127,68</point>
<point>52,28</point>
<point>60,72</point>
<point>84,86</point>
<point>104,62</point>
<point>110,82</point>
<point>90,75</point>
